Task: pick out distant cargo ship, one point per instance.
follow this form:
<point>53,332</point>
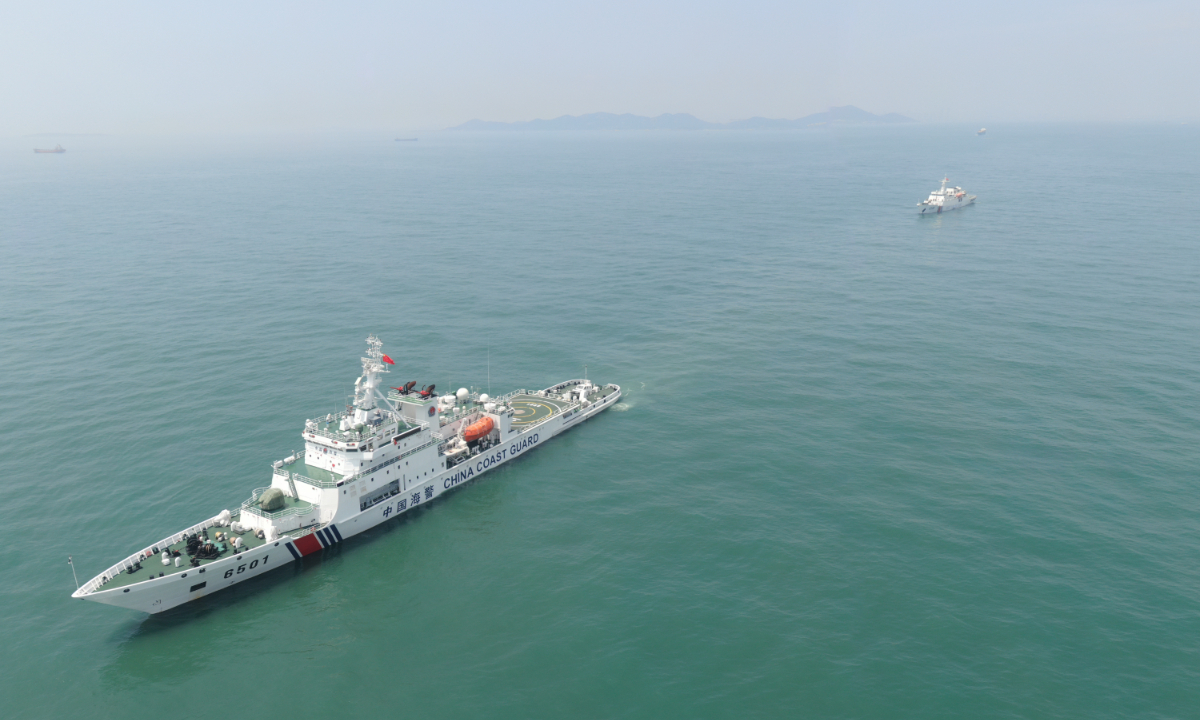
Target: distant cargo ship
<point>57,149</point>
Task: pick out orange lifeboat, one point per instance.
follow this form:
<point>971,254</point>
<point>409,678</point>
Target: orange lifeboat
<point>478,429</point>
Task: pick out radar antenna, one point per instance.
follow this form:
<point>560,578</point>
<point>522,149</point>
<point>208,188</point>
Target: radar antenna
<point>373,362</point>
<point>365,388</point>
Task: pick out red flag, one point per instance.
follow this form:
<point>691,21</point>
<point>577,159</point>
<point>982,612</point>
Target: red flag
<point>388,360</point>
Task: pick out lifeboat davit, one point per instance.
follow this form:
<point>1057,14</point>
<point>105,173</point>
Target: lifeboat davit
<point>478,429</point>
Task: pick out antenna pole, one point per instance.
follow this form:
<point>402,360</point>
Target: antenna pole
<point>72,564</point>
<point>489,369</point>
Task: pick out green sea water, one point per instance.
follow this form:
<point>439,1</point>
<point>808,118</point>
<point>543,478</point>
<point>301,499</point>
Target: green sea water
<point>867,465</point>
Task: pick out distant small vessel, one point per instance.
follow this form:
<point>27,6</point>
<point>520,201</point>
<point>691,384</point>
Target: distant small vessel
<point>57,149</point>
<point>406,139</point>
<point>945,199</point>
<point>982,131</point>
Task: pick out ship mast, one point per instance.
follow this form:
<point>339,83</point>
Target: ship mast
<point>365,386</point>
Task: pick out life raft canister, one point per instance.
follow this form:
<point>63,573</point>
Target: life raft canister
<point>478,429</point>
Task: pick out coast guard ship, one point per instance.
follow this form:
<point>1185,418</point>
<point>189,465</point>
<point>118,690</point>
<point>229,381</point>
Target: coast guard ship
<point>387,454</point>
<point>944,199</point>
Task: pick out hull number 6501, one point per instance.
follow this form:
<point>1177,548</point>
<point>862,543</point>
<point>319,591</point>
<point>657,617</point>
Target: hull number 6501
<point>243,568</point>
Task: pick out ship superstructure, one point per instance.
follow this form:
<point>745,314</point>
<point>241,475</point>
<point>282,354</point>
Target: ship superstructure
<point>383,456</point>
<point>944,199</point>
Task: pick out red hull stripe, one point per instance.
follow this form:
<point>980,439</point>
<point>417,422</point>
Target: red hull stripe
<point>307,545</point>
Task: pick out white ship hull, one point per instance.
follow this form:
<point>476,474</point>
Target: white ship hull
<point>156,594</point>
<point>927,208</point>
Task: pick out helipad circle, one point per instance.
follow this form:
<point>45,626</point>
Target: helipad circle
<point>528,410</point>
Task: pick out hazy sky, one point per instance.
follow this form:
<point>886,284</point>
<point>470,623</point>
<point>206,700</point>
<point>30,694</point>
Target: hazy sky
<point>173,66</point>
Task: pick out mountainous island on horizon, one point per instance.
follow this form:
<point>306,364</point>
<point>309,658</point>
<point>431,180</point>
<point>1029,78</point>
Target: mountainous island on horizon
<point>847,115</point>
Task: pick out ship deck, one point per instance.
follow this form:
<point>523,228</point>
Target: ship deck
<point>152,566</point>
<point>303,469</point>
<point>528,410</point>
<point>532,409</point>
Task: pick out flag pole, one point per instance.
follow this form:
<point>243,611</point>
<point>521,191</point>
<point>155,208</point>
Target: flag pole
<point>72,564</point>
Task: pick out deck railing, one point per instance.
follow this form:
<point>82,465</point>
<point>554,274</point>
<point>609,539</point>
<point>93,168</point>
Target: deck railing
<point>249,508</point>
<point>127,564</point>
<point>369,430</point>
<point>505,398</point>
<point>382,465</point>
<point>324,484</point>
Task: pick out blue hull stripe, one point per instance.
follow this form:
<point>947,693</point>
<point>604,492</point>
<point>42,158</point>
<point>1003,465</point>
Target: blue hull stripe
<point>292,550</point>
<point>333,529</point>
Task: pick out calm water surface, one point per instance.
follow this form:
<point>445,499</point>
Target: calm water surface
<point>868,465</point>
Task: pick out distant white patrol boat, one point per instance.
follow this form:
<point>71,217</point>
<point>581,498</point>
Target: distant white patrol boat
<point>945,199</point>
